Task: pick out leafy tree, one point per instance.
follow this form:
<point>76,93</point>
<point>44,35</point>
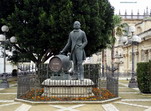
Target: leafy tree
<point>42,26</point>
<point>39,27</point>
<point>6,8</point>
<point>96,19</point>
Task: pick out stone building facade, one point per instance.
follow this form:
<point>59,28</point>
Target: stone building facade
<point>123,53</point>
<point>142,51</point>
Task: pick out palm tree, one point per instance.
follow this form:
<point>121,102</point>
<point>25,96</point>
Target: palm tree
<point>119,30</point>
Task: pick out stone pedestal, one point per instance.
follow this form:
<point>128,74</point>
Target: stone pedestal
<point>133,83</point>
<point>61,76</point>
<point>68,88</point>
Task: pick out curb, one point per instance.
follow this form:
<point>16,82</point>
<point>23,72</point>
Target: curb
<point>68,102</point>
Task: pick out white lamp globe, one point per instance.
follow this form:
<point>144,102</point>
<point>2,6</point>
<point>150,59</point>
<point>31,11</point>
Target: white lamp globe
<point>136,39</point>
<point>132,29</point>
<point>2,38</point>
<point>5,28</point>
<point>13,39</point>
<point>124,39</point>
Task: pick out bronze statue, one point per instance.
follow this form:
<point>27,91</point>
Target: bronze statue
<point>76,43</point>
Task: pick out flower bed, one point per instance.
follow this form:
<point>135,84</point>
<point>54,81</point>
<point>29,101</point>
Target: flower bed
<point>99,94</point>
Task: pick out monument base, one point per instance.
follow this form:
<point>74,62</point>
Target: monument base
<point>68,88</point>
<point>133,83</point>
<point>61,76</point>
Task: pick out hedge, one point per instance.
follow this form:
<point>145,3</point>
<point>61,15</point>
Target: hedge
<point>144,76</point>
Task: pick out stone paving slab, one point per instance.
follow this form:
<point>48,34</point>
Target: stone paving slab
<point>10,107</point>
<point>123,107</point>
<point>6,101</point>
<point>1,103</point>
<point>42,108</point>
<point>7,97</point>
<point>9,90</point>
<point>141,103</point>
<point>110,107</point>
<point>133,96</point>
<point>85,107</point>
<point>91,107</point>
<point>127,90</point>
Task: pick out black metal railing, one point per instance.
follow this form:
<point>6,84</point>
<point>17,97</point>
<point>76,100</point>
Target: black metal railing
<point>37,86</point>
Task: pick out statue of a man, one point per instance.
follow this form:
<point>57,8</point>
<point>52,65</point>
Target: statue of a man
<point>76,43</point>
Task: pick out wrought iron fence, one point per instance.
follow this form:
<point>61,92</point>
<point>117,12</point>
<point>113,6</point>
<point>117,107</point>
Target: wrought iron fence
<point>109,80</point>
<point>37,86</point>
<point>10,74</point>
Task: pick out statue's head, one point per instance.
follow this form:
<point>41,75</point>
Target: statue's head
<point>76,25</point>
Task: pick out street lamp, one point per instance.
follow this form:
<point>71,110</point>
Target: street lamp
<point>4,40</point>
<point>133,40</point>
<point>118,60</point>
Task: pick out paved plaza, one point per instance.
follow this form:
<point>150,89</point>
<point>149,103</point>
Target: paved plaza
<point>131,100</point>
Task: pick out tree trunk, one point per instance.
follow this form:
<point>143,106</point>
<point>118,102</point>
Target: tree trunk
<point>112,59</point>
<point>103,62</point>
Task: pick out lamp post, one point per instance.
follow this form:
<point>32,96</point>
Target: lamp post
<point>3,39</point>
<point>134,40</point>
<point>118,59</point>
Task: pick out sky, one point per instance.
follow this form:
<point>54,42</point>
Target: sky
<point>129,5</point>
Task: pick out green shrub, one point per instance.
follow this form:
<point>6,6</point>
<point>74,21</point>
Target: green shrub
<point>144,77</point>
